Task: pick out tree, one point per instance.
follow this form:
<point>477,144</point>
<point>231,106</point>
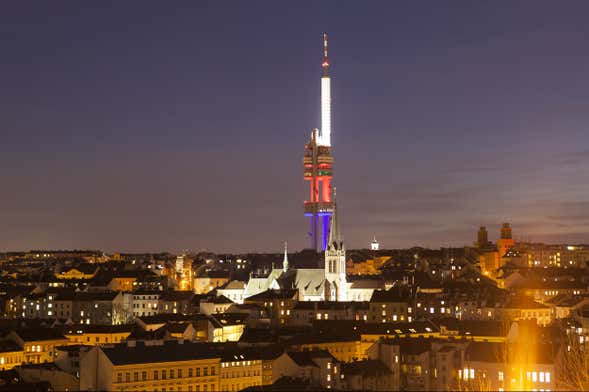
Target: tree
<point>573,362</point>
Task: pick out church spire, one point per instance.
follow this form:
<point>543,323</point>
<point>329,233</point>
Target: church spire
<point>285,260</point>
<point>335,238</point>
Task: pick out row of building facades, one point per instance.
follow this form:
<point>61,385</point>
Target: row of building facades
<point>426,320</point>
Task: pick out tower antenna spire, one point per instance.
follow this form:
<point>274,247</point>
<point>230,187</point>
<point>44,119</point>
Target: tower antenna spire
<point>325,131</point>
<point>325,63</point>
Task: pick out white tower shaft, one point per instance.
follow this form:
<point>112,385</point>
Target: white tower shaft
<point>325,137</point>
<point>325,133</point>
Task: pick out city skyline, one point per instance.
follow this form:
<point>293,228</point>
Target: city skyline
<point>180,135</point>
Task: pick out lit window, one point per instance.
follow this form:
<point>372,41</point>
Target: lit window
<point>501,376</point>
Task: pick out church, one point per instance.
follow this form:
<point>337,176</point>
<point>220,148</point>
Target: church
<point>313,284</point>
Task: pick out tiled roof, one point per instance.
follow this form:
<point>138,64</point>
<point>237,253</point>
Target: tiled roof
<point>170,351</point>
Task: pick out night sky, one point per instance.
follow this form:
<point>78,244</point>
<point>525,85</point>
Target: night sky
<point>138,126</point>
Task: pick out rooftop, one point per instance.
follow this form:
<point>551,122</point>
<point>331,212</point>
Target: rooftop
<point>170,351</point>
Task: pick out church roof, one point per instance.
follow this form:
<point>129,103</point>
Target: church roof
<point>309,282</point>
<point>255,286</point>
<point>273,294</point>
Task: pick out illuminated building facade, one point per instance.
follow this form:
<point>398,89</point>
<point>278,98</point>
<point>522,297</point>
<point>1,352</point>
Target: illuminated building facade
<point>318,163</point>
<point>184,272</point>
<point>11,355</point>
<point>171,366</point>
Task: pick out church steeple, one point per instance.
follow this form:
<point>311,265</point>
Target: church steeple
<point>285,260</point>
<point>335,260</point>
<point>335,237</point>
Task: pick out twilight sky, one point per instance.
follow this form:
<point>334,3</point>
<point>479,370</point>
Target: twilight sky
<point>139,126</point>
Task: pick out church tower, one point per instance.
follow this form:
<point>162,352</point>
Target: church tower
<point>335,260</point>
